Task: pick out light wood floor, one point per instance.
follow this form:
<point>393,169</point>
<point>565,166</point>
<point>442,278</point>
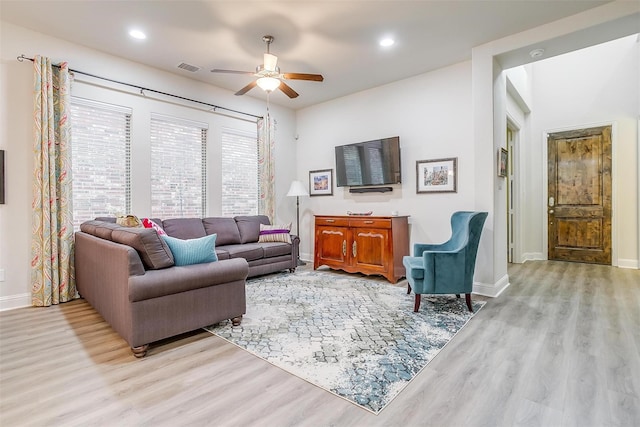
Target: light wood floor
<point>560,347</point>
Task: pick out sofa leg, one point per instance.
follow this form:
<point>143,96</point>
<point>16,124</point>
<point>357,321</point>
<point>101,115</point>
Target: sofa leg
<point>140,351</point>
<point>292,270</point>
<point>236,321</point>
<point>468,298</point>
<point>417,304</point>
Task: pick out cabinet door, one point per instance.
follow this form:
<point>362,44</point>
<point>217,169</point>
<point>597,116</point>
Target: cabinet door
<point>331,246</point>
<point>370,249</point>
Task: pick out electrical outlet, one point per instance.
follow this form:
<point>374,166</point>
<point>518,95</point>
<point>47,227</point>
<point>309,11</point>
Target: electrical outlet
<point>1,274</point>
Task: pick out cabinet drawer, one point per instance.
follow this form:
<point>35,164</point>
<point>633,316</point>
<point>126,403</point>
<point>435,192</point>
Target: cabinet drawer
<point>370,222</point>
<point>340,222</point>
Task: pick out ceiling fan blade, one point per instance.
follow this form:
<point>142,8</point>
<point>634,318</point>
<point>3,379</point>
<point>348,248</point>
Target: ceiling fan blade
<point>215,70</point>
<point>246,89</point>
<point>287,90</point>
<point>302,76</point>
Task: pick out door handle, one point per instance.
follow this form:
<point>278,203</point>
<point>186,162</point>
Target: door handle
<point>354,248</point>
<point>344,248</point>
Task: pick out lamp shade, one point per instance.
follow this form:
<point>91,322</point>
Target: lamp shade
<point>268,84</point>
<point>297,189</point>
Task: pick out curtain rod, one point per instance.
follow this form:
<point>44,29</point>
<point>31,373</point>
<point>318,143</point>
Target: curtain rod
<point>21,58</point>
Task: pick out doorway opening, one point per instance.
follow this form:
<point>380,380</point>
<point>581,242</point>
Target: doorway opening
<point>513,133</point>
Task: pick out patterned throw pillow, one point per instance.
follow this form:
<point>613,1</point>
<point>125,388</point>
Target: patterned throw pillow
<point>128,221</point>
<point>147,223</point>
<point>192,251</point>
<point>275,233</point>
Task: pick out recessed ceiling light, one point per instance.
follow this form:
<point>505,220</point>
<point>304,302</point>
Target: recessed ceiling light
<point>137,34</point>
<point>536,53</point>
<point>386,42</point>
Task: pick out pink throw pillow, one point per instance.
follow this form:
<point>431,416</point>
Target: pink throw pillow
<point>147,223</point>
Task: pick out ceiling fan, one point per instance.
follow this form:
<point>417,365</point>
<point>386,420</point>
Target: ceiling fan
<point>269,77</point>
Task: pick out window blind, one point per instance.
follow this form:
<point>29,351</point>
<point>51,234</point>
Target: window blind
<point>178,167</point>
<point>240,184</point>
<point>101,159</point>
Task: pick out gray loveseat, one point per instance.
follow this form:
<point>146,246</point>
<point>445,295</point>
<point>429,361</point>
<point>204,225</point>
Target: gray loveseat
<point>128,274</point>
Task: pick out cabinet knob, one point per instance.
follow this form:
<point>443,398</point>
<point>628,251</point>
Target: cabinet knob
<point>354,248</point>
<point>344,248</point>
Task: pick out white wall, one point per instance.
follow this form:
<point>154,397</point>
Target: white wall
<point>16,106</point>
<point>431,114</point>
<point>590,87</point>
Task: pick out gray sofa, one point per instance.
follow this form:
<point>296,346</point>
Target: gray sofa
<point>128,274</point>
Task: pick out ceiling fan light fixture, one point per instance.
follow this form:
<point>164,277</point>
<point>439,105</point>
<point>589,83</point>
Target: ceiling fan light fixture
<point>268,84</point>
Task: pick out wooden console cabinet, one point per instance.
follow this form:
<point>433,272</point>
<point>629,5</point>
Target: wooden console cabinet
<point>362,244</point>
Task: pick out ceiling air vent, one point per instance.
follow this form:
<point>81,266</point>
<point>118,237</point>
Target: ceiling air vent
<point>188,67</point>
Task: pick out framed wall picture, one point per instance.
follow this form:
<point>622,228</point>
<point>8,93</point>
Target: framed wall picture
<point>321,182</point>
<point>503,156</point>
<point>437,176</point>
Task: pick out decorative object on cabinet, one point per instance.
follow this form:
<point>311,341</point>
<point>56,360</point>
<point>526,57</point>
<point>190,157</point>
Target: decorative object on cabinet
<point>503,160</point>
<point>297,190</point>
<point>368,245</point>
<point>447,268</point>
<point>360,213</point>
<point>321,182</point>
<point>437,176</point>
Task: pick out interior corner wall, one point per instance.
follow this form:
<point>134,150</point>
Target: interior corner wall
<point>584,88</point>
<point>16,109</point>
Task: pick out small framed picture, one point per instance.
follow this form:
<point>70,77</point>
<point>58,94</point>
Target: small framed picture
<point>321,182</point>
<point>503,156</point>
<point>437,176</point>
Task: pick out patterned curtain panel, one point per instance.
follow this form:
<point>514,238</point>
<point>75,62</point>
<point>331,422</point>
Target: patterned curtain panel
<point>52,268</point>
<point>266,167</point>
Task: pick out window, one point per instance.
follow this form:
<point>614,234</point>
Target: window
<point>239,172</point>
<point>178,167</point>
<point>100,187</point>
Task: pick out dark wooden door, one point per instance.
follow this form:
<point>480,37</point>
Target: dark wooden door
<point>579,205</point>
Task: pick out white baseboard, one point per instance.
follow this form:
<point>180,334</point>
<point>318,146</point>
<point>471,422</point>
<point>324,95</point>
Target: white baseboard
<point>489,290</point>
<point>306,257</point>
<point>15,301</point>
<point>532,256</point>
<point>628,263</point>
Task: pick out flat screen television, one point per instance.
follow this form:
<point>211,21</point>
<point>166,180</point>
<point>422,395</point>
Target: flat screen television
<point>368,163</point>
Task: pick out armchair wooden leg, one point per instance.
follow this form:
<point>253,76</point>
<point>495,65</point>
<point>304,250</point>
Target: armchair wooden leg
<point>417,304</point>
<point>408,288</point>
<point>468,298</point>
<point>457,295</point>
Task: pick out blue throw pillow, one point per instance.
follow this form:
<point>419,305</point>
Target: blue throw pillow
<point>192,251</point>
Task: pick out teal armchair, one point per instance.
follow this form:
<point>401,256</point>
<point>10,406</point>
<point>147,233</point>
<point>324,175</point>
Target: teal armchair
<point>447,268</point>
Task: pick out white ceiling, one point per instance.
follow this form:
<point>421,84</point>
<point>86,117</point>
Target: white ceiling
<point>338,39</point>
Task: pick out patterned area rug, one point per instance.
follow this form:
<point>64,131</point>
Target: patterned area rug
<point>356,337</point>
